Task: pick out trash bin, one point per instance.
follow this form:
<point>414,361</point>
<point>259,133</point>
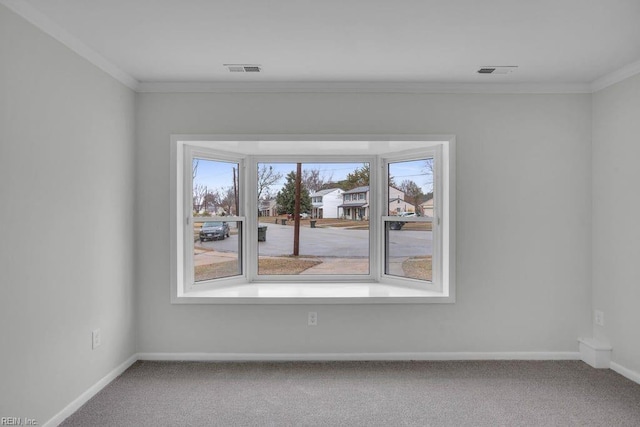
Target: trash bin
<point>313,223</point>
<point>262,233</point>
<point>283,221</point>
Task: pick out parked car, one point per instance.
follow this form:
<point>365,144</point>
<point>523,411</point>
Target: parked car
<point>396,225</point>
<point>214,230</point>
<point>303,215</point>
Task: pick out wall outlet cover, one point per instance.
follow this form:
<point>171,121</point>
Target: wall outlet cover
<point>96,339</point>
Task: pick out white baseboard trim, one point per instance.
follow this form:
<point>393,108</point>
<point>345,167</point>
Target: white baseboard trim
<point>632,375</point>
<point>268,357</point>
<point>92,391</point>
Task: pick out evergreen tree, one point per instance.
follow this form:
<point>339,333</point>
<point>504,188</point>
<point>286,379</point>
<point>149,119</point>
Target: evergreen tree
<point>359,178</point>
<point>286,198</point>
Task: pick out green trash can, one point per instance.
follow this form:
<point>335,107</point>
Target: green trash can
<point>262,233</point>
<point>313,223</point>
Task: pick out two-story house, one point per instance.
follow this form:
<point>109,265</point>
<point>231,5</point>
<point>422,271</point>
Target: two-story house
<point>355,204</point>
<point>397,204</point>
<point>325,203</point>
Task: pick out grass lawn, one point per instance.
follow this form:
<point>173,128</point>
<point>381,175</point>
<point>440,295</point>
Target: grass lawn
<point>285,265</point>
<point>418,268</point>
<point>418,226</point>
<point>267,266</point>
<point>216,270</point>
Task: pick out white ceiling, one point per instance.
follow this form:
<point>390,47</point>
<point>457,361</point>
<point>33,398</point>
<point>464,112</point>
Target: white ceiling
<point>329,41</point>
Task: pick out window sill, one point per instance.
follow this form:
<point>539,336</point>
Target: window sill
<point>313,293</point>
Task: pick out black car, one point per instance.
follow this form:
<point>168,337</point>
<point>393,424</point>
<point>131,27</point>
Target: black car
<point>214,230</point>
<point>396,225</point>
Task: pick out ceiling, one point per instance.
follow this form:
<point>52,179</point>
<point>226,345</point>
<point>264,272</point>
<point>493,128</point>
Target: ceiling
<point>351,41</point>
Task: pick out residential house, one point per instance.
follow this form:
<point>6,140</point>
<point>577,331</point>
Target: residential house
<point>355,204</point>
<point>325,203</point>
<point>427,208</point>
<point>268,207</point>
<point>397,204</point>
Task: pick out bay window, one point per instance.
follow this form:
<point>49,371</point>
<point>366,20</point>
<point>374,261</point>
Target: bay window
<point>244,228</point>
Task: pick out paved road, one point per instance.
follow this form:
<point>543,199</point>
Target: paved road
<point>331,242</point>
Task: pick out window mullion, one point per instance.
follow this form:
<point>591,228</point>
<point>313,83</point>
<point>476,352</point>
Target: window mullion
<point>251,211</point>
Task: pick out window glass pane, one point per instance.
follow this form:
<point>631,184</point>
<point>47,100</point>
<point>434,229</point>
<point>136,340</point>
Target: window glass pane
<point>334,220</point>
<point>411,188</point>
<point>215,187</point>
<point>216,250</point>
<point>409,249</point>
<point>217,243</point>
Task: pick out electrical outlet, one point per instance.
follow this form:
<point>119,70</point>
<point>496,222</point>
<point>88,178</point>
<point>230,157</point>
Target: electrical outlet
<point>96,339</point>
<point>313,318</point>
<point>599,318</point>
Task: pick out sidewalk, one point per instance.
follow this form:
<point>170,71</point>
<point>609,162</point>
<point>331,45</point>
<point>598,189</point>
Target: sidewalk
<point>202,257</point>
<point>340,266</point>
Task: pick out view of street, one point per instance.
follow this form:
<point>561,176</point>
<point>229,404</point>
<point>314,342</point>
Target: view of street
<point>333,250</point>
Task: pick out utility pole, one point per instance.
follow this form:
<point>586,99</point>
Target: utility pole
<point>296,213</point>
<point>235,191</point>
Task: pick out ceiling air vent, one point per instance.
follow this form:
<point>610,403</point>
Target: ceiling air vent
<point>243,68</point>
<point>497,69</point>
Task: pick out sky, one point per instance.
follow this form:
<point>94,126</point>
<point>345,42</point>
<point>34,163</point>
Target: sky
<point>218,175</point>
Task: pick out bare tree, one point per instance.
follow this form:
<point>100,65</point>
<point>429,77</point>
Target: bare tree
<point>227,199</point>
<point>211,202</point>
<point>194,169</point>
<point>199,193</point>
<point>428,171</point>
<point>413,193</point>
<point>267,177</point>
<point>314,180</point>
<point>428,166</point>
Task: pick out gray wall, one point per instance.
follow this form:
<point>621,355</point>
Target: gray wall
<point>616,215</point>
<point>523,225</point>
<point>67,134</point>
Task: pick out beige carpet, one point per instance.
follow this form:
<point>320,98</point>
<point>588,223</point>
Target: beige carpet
<point>487,393</point>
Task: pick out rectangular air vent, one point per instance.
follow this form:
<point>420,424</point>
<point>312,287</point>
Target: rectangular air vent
<point>497,69</point>
<point>243,68</point>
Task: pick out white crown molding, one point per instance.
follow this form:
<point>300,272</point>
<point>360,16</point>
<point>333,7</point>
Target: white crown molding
<point>41,21</point>
<point>362,87</point>
<point>616,76</point>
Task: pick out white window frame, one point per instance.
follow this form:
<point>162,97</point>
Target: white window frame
<point>252,244</point>
<point>249,288</point>
<point>437,283</point>
<point>187,268</point>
